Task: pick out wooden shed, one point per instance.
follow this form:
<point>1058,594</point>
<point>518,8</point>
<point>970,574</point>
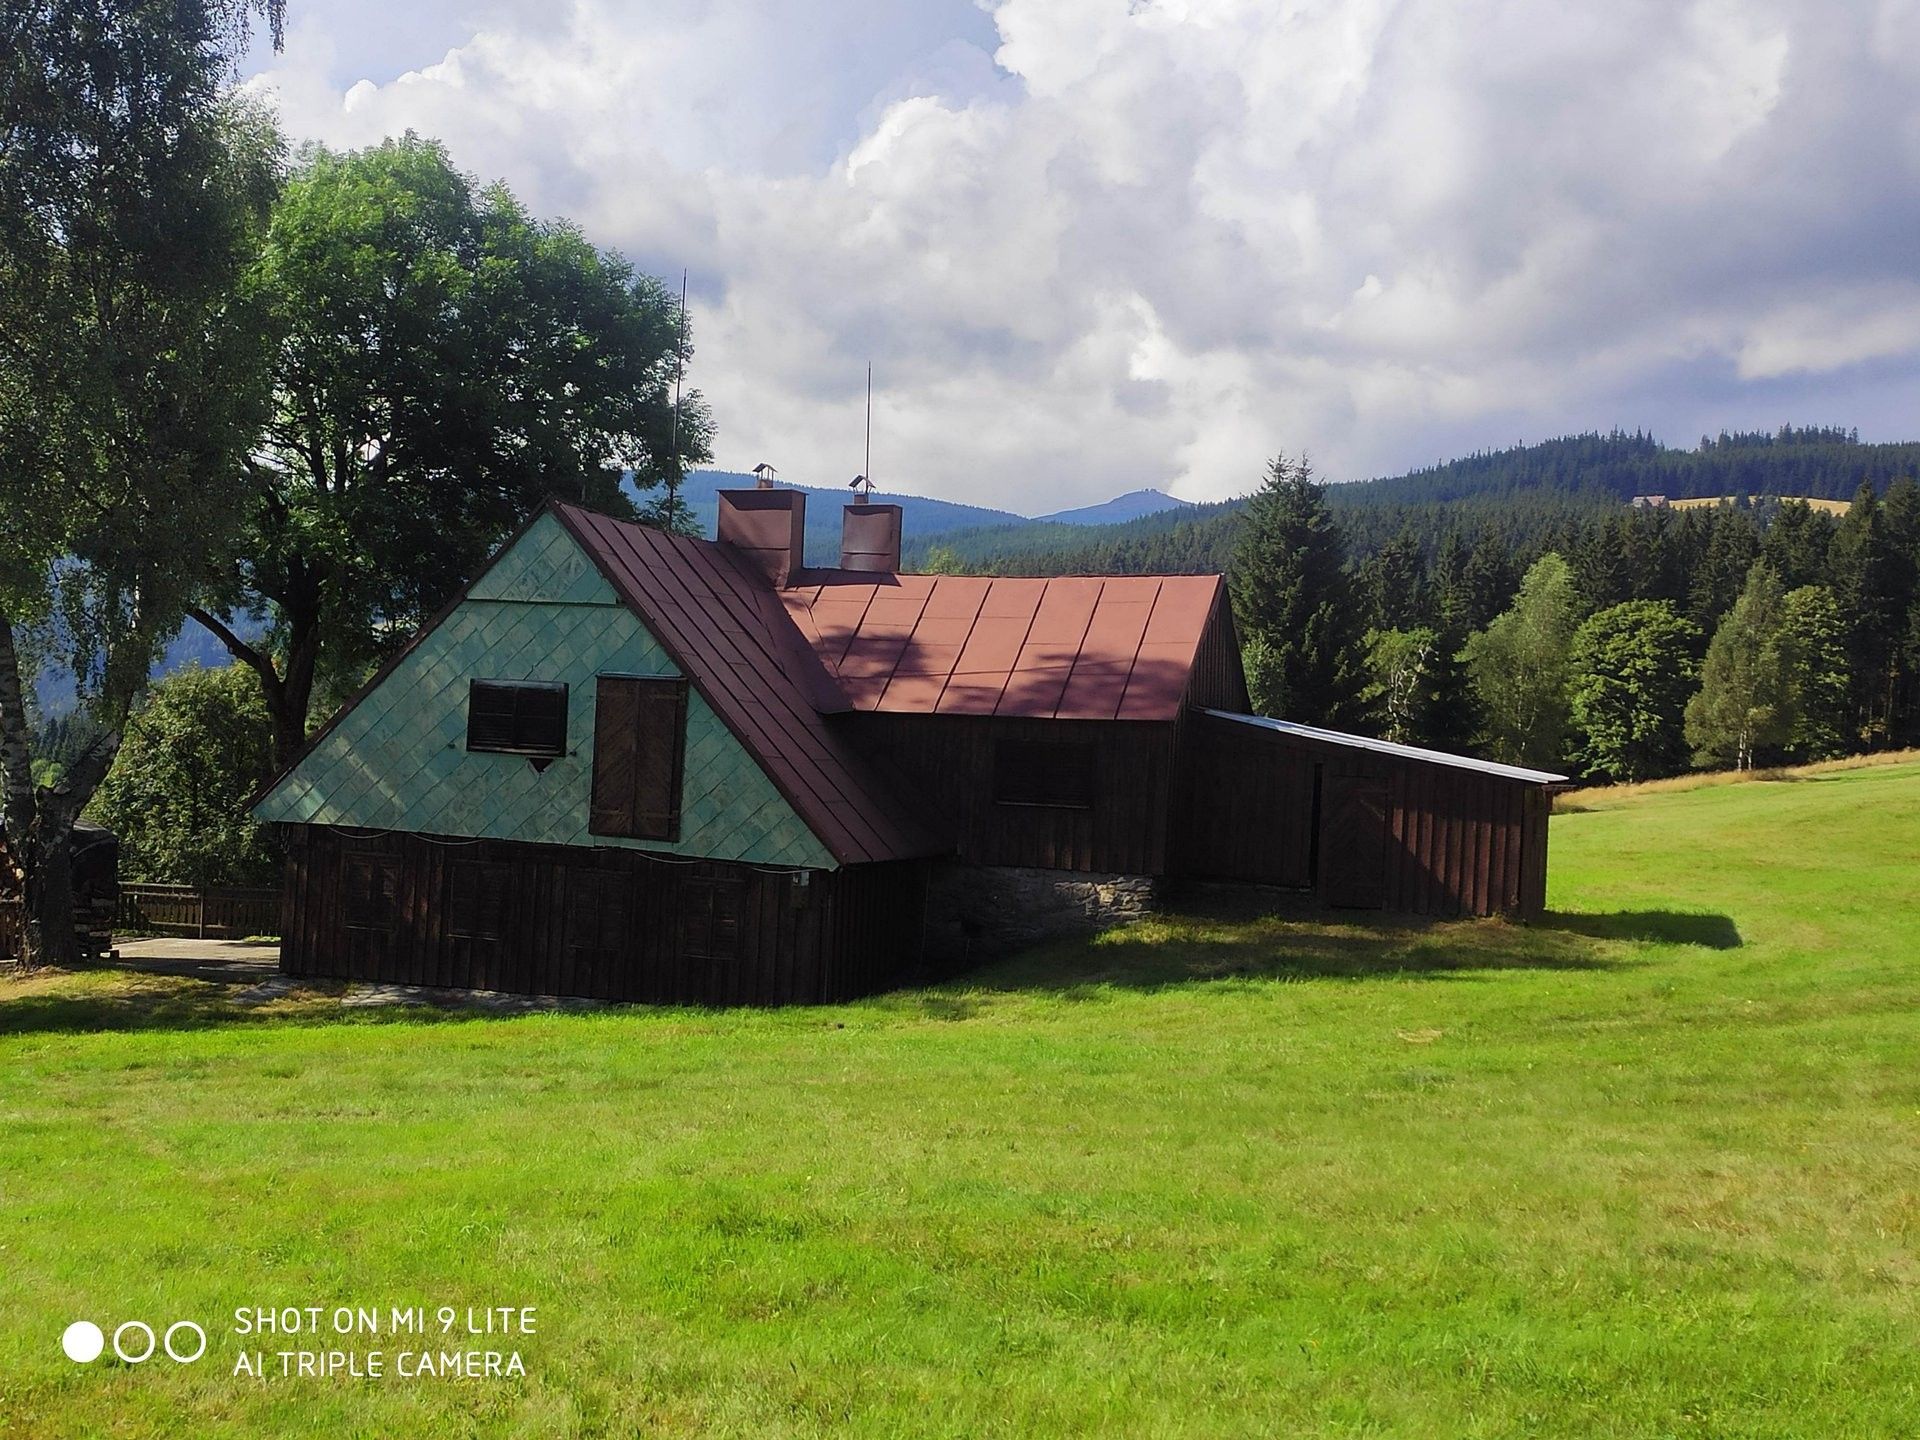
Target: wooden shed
<point>1363,824</point>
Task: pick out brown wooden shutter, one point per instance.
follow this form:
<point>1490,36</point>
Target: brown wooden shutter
<point>639,744</point>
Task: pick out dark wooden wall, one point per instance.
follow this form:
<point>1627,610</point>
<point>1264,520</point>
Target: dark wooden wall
<point>1360,828</point>
<point>944,763</point>
<point>1218,682</point>
<point>605,924</point>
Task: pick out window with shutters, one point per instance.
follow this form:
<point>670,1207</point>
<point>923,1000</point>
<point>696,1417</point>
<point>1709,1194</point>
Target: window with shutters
<point>517,717</point>
<point>1056,773</point>
<point>710,907</point>
<point>598,912</point>
<point>476,900</point>
<point>639,745</point>
<point>370,913</point>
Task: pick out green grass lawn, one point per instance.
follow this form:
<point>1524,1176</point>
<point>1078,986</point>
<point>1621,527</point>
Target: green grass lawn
<point>1650,1168</point>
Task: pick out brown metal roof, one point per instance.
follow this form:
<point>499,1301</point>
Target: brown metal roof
<point>1073,648</point>
<point>723,625</point>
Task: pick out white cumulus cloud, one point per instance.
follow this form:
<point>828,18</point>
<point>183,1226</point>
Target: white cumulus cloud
<point>1091,245</point>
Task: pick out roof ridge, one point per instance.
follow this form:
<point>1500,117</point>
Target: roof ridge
<point>672,583</point>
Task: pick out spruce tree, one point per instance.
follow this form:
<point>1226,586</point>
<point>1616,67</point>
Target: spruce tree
<point>1722,571</point>
<point>1796,544</point>
<point>1393,583</point>
<point>1817,636</point>
<point>1291,593</point>
<point>1901,508</point>
<point>1865,571</point>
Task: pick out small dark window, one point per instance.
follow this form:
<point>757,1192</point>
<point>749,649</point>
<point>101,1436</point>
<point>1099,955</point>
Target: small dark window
<point>639,745</point>
<point>517,717</point>
<point>476,900</point>
<point>710,908</point>
<point>1044,772</point>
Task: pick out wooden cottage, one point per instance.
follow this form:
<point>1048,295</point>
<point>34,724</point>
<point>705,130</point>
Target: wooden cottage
<point>638,766</point>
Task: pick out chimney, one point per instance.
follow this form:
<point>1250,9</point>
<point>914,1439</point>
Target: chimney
<point>870,538</point>
<point>768,528</point>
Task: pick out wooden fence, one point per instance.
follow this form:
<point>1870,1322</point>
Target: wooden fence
<point>214,912</point>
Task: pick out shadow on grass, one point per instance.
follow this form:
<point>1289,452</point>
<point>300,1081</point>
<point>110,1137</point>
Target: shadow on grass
<point>127,1000</point>
<point>1181,950</point>
<point>1666,927</point>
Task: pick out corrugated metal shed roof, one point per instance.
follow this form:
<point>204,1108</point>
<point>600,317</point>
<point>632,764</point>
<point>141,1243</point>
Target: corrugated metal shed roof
<point>1389,747</point>
<point>722,624</point>
<point>1071,648</point>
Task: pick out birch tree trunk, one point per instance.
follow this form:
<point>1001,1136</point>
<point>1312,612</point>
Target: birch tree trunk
<point>39,819</point>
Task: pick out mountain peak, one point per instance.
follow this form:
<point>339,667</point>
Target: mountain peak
<point>1130,506</point>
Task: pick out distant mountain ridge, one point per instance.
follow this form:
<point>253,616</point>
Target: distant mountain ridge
<point>1552,483</point>
<point>1130,506</point>
<point>919,514</point>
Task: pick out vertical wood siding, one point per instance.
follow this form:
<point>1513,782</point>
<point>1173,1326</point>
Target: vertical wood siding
<point>603,924</point>
<point>1218,682</point>
<point>1265,808</point>
<point>947,763</point>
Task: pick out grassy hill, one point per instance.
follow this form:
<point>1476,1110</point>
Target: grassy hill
<point>1648,1168</point>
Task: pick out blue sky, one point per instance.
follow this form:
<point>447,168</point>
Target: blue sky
<point>1091,245</point>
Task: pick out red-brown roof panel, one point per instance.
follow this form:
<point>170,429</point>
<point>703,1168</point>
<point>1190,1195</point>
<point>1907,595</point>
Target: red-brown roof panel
<point>1034,690</point>
<point>915,693</point>
<point>923,659</point>
<point>1181,609</point>
<point>994,645</point>
<point>1014,646</point>
<point>971,694</point>
<point>956,595</point>
<point>1094,691</point>
<point>1158,680</point>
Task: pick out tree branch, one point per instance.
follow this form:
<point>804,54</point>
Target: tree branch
<point>257,660</point>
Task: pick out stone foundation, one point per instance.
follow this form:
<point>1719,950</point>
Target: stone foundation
<point>978,913</point>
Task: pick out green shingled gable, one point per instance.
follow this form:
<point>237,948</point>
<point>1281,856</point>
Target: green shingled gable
<point>398,760</point>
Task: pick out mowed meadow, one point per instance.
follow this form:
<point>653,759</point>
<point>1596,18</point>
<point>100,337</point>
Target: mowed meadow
<point>1649,1168</point>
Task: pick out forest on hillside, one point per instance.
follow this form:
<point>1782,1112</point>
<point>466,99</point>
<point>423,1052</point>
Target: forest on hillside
<point>1525,496</point>
<point>1624,643</point>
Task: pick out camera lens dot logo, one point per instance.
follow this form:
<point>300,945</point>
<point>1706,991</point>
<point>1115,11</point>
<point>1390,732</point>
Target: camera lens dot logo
<point>83,1342</point>
<point>120,1344</point>
<point>185,1326</point>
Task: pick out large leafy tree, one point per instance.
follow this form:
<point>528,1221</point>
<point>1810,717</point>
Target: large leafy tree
<point>1746,699</point>
<point>444,363</point>
<point>1518,668</point>
<point>1631,671</point>
<point>132,196</point>
<point>1294,602</point>
<point>177,793</point>
<point>1408,684</point>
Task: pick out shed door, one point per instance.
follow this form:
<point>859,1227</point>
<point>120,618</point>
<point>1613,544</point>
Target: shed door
<point>1353,841</point>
